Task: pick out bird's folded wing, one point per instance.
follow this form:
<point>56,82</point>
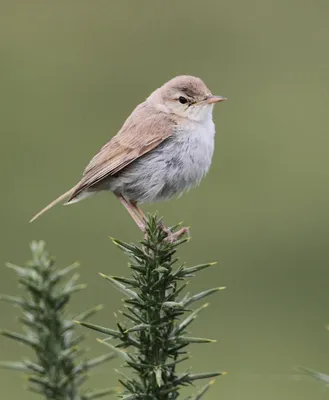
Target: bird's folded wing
<point>144,130</point>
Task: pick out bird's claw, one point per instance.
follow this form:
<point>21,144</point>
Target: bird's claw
<point>173,236</point>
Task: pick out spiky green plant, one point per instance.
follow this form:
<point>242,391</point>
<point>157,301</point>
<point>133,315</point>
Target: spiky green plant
<point>58,371</point>
<point>153,337</point>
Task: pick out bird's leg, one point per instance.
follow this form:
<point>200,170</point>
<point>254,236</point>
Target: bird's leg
<point>140,213</point>
<point>134,215</point>
<point>138,210</point>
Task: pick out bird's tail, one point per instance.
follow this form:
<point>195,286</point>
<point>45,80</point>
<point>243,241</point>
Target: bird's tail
<point>53,203</point>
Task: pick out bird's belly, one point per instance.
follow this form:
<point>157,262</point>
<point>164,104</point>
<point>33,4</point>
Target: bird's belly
<point>177,164</point>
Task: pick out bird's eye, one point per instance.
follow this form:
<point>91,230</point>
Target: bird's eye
<point>182,100</point>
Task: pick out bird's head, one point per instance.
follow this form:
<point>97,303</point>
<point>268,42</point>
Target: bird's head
<point>187,97</point>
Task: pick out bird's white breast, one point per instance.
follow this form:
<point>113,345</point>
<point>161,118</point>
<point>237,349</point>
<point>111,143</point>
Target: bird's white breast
<point>194,146</point>
<point>177,164</point>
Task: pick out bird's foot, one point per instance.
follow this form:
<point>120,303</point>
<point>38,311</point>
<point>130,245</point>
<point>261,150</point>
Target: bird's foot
<point>173,236</point>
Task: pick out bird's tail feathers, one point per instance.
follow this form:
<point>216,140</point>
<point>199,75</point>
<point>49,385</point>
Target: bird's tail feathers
<point>53,203</point>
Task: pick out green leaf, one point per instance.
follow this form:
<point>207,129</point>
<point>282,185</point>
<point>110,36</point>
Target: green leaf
<point>180,241</point>
<point>34,367</point>
<point>94,362</point>
<point>201,295</point>
<point>70,353</point>
<point>121,287</point>
<point>87,314</point>
<point>186,322</point>
<point>30,323</point>
<point>42,381</point>
<point>21,271</point>
<point>128,281</point>
<point>56,276</point>
<point>197,268</point>
<point>177,361</point>
<point>123,245</point>
<point>132,318</point>
<point>17,301</point>
<point>73,289</point>
<point>161,269</point>
<point>158,376</point>
<point>101,329</point>
<point>126,356</point>
<point>20,338</point>
<point>76,340</point>
<point>129,397</point>
<point>17,366</point>
<point>188,339</point>
<point>140,327</point>
<point>205,375</point>
<point>202,391</point>
<point>172,304</point>
<point>99,393</point>
<point>32,286</point>
<point>37,247</point>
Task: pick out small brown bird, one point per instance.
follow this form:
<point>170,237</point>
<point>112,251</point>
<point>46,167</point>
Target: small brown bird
<point>164,147</point>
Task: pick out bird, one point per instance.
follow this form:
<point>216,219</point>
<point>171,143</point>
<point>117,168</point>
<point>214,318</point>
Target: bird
<point>164,148</point>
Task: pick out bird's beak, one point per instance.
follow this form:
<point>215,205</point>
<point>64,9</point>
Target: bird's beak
<point>215,99</point>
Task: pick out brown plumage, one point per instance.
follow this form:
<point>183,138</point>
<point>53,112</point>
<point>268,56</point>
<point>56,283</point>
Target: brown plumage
<point>143,131</point>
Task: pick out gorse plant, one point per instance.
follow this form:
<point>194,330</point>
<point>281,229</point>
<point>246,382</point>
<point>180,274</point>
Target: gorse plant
<point>153,337</point>
<point>57,373</point>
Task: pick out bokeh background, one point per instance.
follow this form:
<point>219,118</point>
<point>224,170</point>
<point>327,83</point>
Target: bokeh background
<point>72,71</point>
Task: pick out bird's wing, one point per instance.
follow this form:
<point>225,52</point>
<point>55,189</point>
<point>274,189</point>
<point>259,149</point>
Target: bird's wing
<point>144,130</point>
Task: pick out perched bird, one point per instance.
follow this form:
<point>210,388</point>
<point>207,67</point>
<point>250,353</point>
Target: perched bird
<point>164,147</point>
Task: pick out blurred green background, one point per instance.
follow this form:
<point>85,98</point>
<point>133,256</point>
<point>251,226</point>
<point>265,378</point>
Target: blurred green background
<point>72,71</point>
